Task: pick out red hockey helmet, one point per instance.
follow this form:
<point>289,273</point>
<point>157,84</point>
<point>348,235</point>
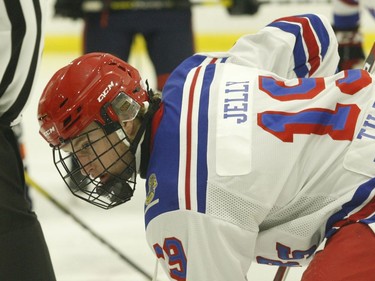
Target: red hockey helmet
<point>84,91</point>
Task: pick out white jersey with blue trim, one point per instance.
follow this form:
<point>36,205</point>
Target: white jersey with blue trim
<point>250,163</point>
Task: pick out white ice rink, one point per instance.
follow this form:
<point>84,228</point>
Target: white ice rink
<point>75,253</point>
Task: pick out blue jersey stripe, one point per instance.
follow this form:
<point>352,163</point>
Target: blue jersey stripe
<point>321,32</point>
<point>320,35</point>
<point>203,139</point>
<point>298,51</point>
<point>165,157</point>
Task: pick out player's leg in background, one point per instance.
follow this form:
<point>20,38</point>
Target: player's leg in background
<point>114,36</point>
<point>348,255</point>
<point>169,44</point>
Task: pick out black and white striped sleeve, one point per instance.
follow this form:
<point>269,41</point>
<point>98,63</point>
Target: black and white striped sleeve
<point>21,43</point>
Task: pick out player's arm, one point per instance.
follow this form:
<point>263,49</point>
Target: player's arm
<point>296,46</point>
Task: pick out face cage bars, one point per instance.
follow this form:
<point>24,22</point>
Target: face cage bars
<point>117,191</point>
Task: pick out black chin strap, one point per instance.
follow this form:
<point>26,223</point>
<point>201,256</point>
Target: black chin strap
<point>145,153</point>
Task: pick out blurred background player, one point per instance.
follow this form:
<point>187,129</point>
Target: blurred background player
<point>24,255</point>
<point>347,25</point>
<point>111,26</point>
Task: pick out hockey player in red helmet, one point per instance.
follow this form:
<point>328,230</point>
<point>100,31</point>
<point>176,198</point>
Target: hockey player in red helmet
<point>259,154</point>
<point>96,99</point>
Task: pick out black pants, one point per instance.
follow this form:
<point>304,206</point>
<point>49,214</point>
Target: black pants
<point>168,34</point>
<point>24,254</point>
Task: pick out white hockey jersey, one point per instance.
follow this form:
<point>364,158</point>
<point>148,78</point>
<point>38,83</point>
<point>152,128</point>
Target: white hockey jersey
<point>249,163</point>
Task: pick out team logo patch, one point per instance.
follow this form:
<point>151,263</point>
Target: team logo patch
<point>152,184</point>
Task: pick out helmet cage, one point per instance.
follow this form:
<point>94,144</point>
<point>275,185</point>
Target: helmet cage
<point>118,190</point>
<point>100,88</point>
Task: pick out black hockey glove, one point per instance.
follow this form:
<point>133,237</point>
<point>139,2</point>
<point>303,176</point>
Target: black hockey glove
<point>69,9</point>
<point>243,7</point>
<point>350,48</point>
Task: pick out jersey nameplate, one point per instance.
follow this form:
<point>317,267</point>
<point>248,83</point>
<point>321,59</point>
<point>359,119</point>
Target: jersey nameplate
<point>233,132</point>
<point>360,157</point>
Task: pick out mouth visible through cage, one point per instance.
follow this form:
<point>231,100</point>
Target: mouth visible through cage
<point>103,191</point>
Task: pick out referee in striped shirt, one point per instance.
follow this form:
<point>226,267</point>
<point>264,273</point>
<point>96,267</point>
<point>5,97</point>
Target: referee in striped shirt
<point>24,254</point>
